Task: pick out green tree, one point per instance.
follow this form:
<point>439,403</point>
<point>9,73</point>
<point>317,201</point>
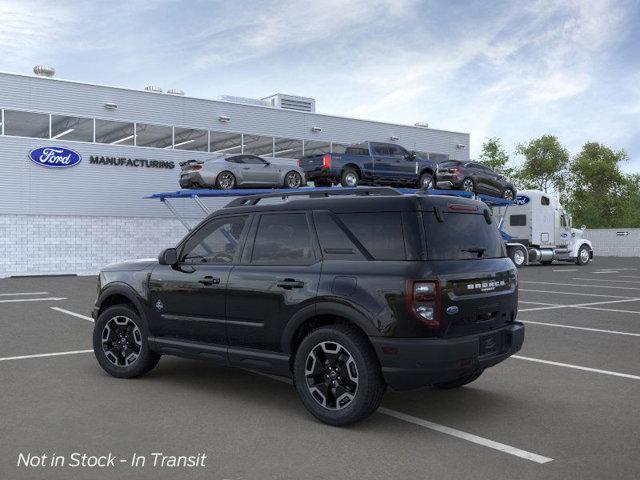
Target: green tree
<point>630,217</point>
<point>545,164</point>
<point>495,157</point>
<point>599,192</point>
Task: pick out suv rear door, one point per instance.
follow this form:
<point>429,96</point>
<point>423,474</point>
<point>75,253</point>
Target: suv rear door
<point>278,276</point>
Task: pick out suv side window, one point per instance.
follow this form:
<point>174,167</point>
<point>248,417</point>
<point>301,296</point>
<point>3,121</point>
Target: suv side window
<point>218,242</point>
<point>334,242</point>
<point>380,233</point>
<point>283,239</point>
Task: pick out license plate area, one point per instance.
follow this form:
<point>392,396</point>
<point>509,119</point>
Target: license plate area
<point>492,344</point>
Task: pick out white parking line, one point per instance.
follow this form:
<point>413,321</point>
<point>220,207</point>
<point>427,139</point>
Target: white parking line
<point>576,293</point>
<point>442,429</point>
<point>581,305</point>
<point>566,269</point>
<point>485,442</point>
<point>604,280</point>
<point>579,285</point>
<point>540,303</point>
<point>577,367</point>
<point>598,330</point>
<point>610,310</point>
<point>73,314</point>
<point>40,355</point>
<point>22,293</point>
<point>628,276</point>
<point>46,299</point>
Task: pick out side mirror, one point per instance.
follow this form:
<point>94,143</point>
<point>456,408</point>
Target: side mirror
<point>168,256</point>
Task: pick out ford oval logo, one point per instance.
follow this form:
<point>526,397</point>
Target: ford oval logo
<point>521,200</point>
<point>55,157</point>
<point>452,310</point>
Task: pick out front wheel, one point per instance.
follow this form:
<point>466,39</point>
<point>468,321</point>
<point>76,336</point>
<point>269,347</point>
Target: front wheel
<point>426,181</point>
<point>120,343</point>
<point>518,256</point>
<point>459,382</point>
<point>338,376</point>
<point>292,180</point>
<point>584,255</point>
<point>468,185</point>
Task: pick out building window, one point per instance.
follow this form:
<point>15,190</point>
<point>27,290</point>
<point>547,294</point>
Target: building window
<point>287,148</point>
<point>338,147</point>
<point>26,124</point>
<point>114,133</point>
<point>316,148</point>
<point>72,128</point>
<point>190,139</point>
<point>258,145</point>
<point>157,136</point>
<point>224,142</point>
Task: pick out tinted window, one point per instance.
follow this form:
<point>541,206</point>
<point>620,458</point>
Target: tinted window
<point>217,242</point>
<point>334,242</point>
<point>460,232</point>
<point>517,220</point>
<point>544,200</point>
<point>380,233</point>
<point>449,163</point>
<point>283,239</point>
<point>235,159</point>
<point>26,124</point>
<point>397,151</point>
<point>251,160</point>
<point>381,149</point>
<point>357,151</point>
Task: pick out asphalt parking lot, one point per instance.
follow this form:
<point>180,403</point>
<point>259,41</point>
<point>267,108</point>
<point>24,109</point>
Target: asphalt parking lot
<point>565,407</point>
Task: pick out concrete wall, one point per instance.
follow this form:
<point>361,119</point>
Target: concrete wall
<point>609,242</point>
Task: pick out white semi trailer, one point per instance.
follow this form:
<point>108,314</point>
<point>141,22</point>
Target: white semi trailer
<point>540,231</point>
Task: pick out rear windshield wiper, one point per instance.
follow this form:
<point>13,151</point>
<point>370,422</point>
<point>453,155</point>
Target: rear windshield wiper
<point>479,250</point>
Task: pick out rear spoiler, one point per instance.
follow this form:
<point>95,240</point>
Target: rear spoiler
<point>191,162</point>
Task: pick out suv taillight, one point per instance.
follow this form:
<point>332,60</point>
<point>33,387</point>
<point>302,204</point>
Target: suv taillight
<point>423,297</point>
<point>326,161</point>
<point>196,167</point>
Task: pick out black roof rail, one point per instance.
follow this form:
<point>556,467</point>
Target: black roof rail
<point>323,193</point>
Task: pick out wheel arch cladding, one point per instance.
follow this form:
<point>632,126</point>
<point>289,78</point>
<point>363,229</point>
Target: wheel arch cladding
<point>119,295</point>
<point>353,166</point>
<point>428,170</point>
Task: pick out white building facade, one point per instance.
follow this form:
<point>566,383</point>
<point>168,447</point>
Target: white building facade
<point>75,220</point>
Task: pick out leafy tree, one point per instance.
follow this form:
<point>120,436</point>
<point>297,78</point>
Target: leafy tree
<point>630,216</point>
<point>545,164</point>
<point>495,157</point>
<point>599,192</point>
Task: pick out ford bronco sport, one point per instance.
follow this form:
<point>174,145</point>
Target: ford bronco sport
<point>347,295</point>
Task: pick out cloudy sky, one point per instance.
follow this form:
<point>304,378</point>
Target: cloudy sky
<point>515,69</point>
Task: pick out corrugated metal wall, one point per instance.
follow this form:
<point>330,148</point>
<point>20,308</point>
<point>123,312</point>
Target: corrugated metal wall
<point>614,242</point>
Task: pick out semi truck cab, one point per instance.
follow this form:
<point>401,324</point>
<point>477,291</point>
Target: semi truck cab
<point>538,230</point>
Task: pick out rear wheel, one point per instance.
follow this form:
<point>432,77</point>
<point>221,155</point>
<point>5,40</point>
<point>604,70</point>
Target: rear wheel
<point>292,179</point>
<point>459,382</point>
<point>468,185</point>
<point>337,375</point>
<point>225,181</point>
<point>584,255</point>
<point>349,178</point>
<point>120,343</point>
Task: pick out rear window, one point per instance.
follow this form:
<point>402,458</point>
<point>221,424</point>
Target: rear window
<point>357,150</point>
<point>462,236</point>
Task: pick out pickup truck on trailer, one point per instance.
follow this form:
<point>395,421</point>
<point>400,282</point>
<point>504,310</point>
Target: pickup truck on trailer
<point>370,163</point>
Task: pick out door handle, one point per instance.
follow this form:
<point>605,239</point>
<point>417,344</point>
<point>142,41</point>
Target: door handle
<point>289,283</point>
<point>246,168</point>
<point>209,280</point>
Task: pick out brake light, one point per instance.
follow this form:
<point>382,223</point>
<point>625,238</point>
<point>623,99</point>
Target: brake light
<point>196,167</point>
<point>459,207</point>
<point>326,161</point>
<point>423,298</point>
<point>299,162</point>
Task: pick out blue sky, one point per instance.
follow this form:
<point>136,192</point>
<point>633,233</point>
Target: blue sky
<point>515,70</point>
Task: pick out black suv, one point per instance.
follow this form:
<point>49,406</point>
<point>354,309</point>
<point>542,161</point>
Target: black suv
<point>473,177</point>
<point>345,294</point>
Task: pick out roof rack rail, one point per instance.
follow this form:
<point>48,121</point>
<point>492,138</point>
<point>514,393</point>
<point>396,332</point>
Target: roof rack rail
<point>316,193</point>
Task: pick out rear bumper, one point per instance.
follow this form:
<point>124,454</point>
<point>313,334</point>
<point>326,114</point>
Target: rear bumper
<point>448,183</point>
<point>191,180</point>
<point>416,362</point>
<point>319,173</point>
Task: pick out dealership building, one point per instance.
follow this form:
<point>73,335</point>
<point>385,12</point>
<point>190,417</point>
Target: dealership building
<point>127,145</point>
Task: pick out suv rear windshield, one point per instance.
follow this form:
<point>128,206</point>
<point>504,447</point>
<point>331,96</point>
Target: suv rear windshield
<point>461,236</point>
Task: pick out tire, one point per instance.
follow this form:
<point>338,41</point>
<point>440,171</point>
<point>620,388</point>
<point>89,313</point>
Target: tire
<point>225,180</point>
<point>292,180</point>
<point>508,194</point>
<point>426,181</point>
<point>349,178</point>
<point>360,386</point>
<point>584,255</point>
<point>106,333</point>
<point>468,185</point>
<point>458,382</point>
<point>518,256</point>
